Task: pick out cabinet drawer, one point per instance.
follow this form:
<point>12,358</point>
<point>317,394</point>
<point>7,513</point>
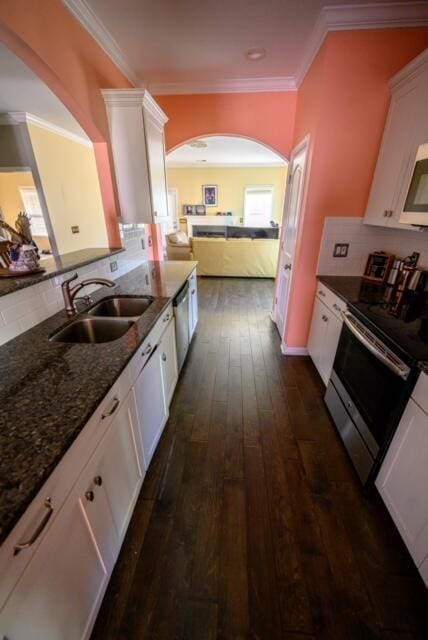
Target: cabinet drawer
<point>331,300</point>
<point>40,515</point>
<point>149,344</point>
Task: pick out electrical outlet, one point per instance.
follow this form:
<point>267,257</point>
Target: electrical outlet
<point>113,266</point>
<point>75,229</point>
<point>340,250</point>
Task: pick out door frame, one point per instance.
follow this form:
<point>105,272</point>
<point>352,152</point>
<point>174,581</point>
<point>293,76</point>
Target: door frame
<point>304,144</point>
<point>176,216</point>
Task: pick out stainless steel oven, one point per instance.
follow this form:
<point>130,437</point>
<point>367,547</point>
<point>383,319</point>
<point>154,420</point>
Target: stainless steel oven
<point>367,393</point>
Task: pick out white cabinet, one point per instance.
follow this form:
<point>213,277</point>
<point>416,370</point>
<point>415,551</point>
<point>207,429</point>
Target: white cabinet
<point>168,351</point>
<point>325,331</point>
<point>149,395</point>
<point>119,468</point>
<point>403,477</point>
<point>58,592</point>
<point>406,128</point>
<point>193,303</point>
<point>137,139</point>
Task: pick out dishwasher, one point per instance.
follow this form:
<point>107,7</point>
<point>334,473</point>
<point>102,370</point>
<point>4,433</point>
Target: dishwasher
<point>181,314</point>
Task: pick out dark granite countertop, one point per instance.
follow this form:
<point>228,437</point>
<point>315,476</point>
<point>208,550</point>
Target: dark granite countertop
<point>49,390</point>
<point>54,266</point>
<point>407,333</point>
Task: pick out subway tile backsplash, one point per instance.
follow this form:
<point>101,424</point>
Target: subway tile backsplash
<point>27,307</point>
<point>363,239</point>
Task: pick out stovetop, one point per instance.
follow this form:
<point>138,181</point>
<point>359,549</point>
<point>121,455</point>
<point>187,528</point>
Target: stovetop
<point>405,329</point>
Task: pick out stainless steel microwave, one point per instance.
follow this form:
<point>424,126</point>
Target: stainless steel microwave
<point>415,209</point>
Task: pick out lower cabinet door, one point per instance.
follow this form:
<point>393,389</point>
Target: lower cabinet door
<point>149,396</point>
<point>59,592</point>
<point>317,334</point>
<point>168,352</point>
<point>329,346</point>
<point>119,468</point>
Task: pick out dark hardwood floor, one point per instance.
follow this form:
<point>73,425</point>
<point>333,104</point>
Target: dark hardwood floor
<point>250,522</point>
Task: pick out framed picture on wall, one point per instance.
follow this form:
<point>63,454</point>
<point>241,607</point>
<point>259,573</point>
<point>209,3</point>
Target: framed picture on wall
<point>210,195</point>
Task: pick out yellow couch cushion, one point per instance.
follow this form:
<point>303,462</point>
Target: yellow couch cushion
<point>241,257</point>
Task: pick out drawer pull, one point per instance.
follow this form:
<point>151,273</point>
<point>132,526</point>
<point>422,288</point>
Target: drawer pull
<point>321,293</point>
<point>147,351</point>
<point>164,357</point>
<point>166,318</point>
<point>27,543</point>
<point>98,481</point>
<point>336,306</point>
<point>112,409</point>
<point>193,292</point>
<point>324,318</point>
<point>90,496</point>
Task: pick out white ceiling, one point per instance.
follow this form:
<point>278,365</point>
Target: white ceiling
<point>224,151</point>
<point>179,45</point>
<point>23,91</point>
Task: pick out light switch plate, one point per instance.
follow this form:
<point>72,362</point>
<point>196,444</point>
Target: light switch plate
<point>113,266</point>
<point>341,250</point>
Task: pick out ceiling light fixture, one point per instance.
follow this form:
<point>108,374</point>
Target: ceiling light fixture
<point>256,53</point>
<point>198,144</point>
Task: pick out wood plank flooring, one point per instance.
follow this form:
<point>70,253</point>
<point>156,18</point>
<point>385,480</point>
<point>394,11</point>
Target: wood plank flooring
<point>250,522</point>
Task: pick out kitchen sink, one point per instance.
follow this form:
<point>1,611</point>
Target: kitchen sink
<point>93,330</point>
<point>121,307</point>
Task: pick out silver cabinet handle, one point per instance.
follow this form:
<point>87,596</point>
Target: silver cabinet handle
<point>98,481</point>
<point>321,293</point>
<point>147,351</point>
<point>287,267</point>
<point>193,292</point>
<point>155,213</point>
<point>385,213</point>
<point>336,306</point>
<point>164,357</point>
<point>38,530</point>
<point>114,405</point>
<point>166,318</point>
<point>90,496</point>
<point>324,318</point>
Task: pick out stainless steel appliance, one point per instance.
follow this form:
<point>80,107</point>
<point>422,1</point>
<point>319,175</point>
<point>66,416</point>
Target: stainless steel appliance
<point>370,385</point>
<point>416,206</point>
<point>181,314</point>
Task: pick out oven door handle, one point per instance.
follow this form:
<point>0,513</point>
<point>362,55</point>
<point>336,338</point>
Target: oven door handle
<point>375,346</point>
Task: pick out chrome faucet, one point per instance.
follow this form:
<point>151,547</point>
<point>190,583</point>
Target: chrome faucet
<point>70,294</point>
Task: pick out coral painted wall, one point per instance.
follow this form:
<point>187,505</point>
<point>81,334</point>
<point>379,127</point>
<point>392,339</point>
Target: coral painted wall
<point>342,104</point>
<point>45,35</point>
<point>265,117</point>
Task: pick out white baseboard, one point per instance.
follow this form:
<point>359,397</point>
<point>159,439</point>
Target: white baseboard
<point>293,351</point>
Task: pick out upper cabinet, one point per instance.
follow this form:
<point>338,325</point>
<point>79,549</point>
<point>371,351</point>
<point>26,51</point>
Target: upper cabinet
<point>137,137</point>
<point>406,128</point>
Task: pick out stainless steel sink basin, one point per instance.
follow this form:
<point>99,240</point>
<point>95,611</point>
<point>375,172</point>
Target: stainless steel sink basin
<point>94,330</point>
<point>121,307</point>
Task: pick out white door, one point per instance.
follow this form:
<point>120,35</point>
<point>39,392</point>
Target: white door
<point>173,209</point>
<point>293,206</point>
<point>149,395</point>
<point>168,351</point>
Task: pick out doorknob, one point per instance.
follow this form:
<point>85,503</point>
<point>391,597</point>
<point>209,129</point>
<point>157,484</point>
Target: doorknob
<point>287,267</point>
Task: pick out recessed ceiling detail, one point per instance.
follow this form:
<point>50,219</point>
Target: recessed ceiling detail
<point>197,47</point>
<point>224,151</point>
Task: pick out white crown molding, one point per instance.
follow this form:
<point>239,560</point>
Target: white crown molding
<point>222,165</point>
<point>90,21</point>
<point>412,70</point>
<point>19,117</point>
<point>233,85</point>
<point>134,98</point>
<point>356,17</point>
<point>331,18</point>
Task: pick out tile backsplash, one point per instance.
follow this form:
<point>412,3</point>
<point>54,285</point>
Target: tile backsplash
<point>362,240</point>
<point>27,307</point>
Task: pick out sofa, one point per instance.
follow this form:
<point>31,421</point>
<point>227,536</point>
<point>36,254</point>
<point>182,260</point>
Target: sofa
<point>241,257</point>
<point>178,246</point>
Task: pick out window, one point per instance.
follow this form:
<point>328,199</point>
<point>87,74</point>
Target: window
<point>258,206</point>
<point>30,198</point>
